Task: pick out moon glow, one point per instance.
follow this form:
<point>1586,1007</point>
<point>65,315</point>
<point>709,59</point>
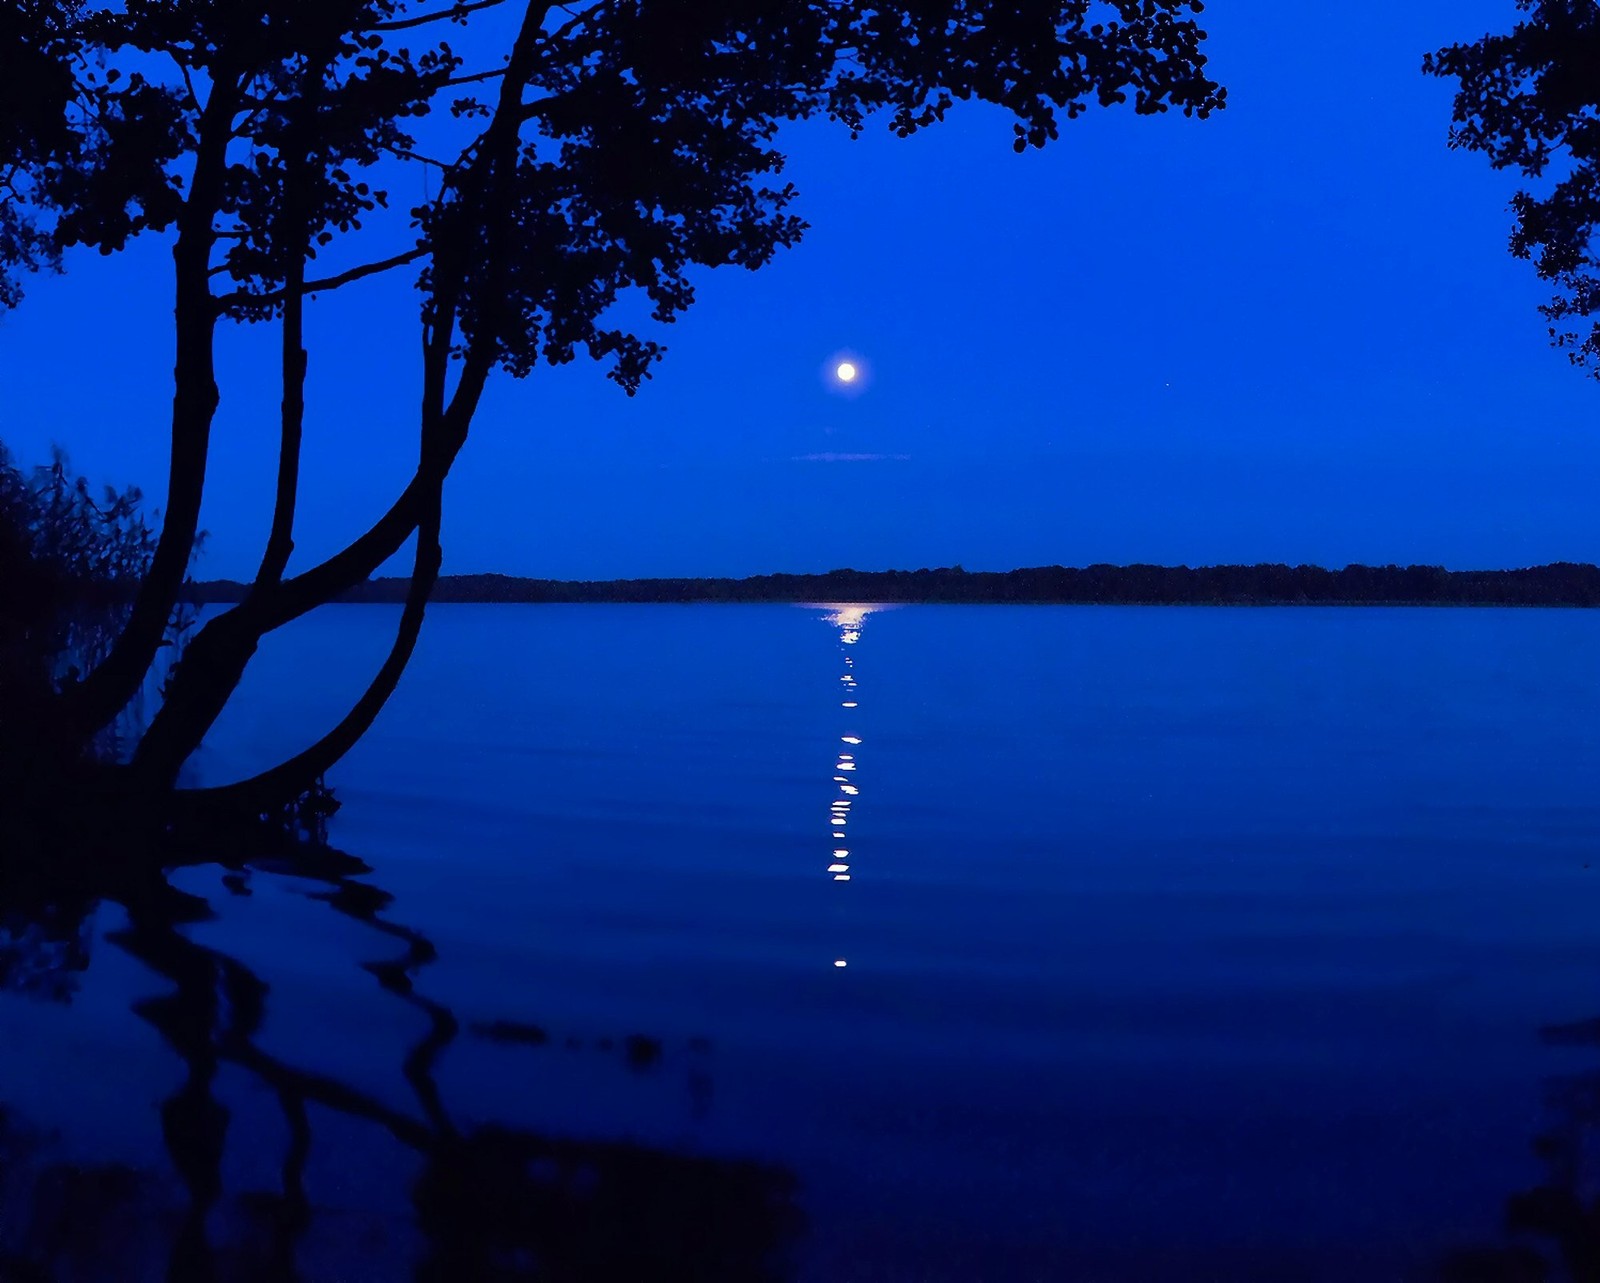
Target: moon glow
<point>846,372</point>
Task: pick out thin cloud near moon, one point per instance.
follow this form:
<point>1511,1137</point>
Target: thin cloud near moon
<point>830,456</point>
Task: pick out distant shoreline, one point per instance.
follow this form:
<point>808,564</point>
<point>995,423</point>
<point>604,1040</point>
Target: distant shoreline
<point>1558,584</point>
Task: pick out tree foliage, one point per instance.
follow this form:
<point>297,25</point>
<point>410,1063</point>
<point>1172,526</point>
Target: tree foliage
<point>646,131</point>
<point>1529,100</point>
<point>579,172</point>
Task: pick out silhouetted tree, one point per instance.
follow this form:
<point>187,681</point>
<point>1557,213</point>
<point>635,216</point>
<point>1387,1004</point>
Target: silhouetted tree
<point>613,147</point>
<point>1529,99</point>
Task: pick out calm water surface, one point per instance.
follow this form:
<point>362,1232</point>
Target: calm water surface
<point>993,943</point>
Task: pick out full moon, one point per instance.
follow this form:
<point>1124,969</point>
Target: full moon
<point>846,372</point>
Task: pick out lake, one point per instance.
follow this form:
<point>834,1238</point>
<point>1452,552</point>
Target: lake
<point>853,945</point>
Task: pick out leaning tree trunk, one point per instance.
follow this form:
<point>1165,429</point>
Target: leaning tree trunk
<point>215,661</point>
<point>217,658</point>
<point>280,786</point>
<point>84,709</point>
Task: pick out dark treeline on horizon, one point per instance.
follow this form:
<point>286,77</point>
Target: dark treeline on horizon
<point>1560,584</point>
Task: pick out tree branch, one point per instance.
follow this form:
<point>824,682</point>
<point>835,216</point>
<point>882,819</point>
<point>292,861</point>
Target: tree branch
<point>280,542</point>
<point>455,11</point>
<point>369,269</point>
<point>472,79</point>
<point>403,153</point>
<point>255,106</point>
<point>286,781</point>
<point>98,699</point>
<point>225,301</point>
<point>217,656</point>
<point>361,558</point>
<point>188,83</point>
<point>582,18</point>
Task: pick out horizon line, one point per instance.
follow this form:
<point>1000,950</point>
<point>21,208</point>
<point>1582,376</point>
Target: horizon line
<point>958,569</point>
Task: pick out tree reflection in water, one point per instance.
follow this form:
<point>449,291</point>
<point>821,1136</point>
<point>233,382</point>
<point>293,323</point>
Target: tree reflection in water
<point>491,1202</point>
<point>1559,1219</point>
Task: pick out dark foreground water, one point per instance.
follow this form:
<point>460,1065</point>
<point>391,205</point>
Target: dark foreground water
<point>753,942</point>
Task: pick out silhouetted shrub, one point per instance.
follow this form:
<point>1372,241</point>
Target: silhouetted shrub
<point>70,562</point>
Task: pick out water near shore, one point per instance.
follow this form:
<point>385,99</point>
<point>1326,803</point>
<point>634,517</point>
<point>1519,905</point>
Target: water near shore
<point>925,943</point>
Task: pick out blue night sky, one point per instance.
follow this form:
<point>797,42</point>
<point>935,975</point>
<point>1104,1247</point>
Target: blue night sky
<point>1290,333</point>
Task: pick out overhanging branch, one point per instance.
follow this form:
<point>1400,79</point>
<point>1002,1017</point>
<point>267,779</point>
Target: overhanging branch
<point>474,78</point>
<point>225,301</point>
<point>369,269</point>
<point>455,11</point>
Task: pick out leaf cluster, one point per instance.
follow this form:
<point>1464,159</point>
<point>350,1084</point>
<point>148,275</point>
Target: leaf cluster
<point>646,136</point>
<point>36,90</point>
<point>105,108</point>
<point>656,127</point>
<point>1529,100</point>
